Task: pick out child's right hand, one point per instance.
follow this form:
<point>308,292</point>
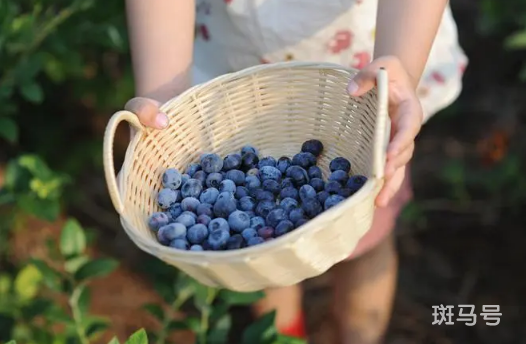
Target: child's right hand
<point>147,110</point>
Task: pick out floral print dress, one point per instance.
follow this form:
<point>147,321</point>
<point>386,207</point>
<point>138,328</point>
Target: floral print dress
<point>235,34</point>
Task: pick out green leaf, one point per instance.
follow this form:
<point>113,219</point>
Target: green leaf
<point>516,41</point>
<point>95,326</point>
<point>155,310</point>
<point>8,129</point>
<point>50,277</point>
<point>233,298</point>
<point>219,333</point>
<point>114,340</point>
<point>262,331</point>
<point>139,337</point>
<point>83,301</point>
<point>41,208</point>
<point>32,92</point>
<point>11,342</point>
<point>96,268</point>
<point>73,264</point>
<point>27,282</point>
<point>194,324</point>
<point>282,339</point>
<point>5,285</point>
<point>176,325</point>
<point>72,239</point>
<point>36,307</point>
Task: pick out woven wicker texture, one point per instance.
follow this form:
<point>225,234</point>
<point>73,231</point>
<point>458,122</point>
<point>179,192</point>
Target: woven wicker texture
<point>275,108</point>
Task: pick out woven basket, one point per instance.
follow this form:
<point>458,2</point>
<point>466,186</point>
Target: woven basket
<point>275,107</point>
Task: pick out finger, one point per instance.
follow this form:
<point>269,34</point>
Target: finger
<point>365,80</point>
<point>148,112</point>
<point>400,160</point>
<point>391,187</point>
<point>408,121</point>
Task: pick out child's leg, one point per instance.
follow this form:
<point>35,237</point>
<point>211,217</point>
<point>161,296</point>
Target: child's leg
<point>364,286</point>
<point>287,303</point>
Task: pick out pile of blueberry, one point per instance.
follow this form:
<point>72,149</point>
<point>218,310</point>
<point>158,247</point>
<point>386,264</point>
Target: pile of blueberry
<point>242,200</point>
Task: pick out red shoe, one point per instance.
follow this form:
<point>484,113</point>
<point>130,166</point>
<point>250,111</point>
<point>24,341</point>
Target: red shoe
<point>296,328</point>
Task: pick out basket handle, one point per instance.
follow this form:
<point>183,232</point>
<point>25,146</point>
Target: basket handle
<point>382,132</point>
<point>109,168</point>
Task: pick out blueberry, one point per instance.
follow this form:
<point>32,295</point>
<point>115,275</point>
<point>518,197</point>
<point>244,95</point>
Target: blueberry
<point>296,214</point>
<point>204,219</point>
<point>249,149</point>
<point>192,169</point>
<point>288,204</point>
<point>257,222</point>
<point>247,203</point>
<point>307,192</point>
<point>197,233</point>
<point>252,182</point>
<point>211,163</point>
<point>269,172</point>
<point>227,186</point>
<point>250,213</point>
<point>248,161</point>
<point>241,192</point>
<point>234,242</point>
<point>340,163</point>
<point>255,241</point>
<point>314,147</point>
<point>224,207</point>
<point>332,187</point>
<point>356,182</point>
<point>263,195</point>
<point>298,175</point>
<point>204,209</point>
<point>275,216</point>
<point>312,207</point>
<point>226,196</point>
<point>167,197</point>
<point>184,178</point>
<point>213,180</point>
<point>267,161</point>
<point>175,210</point>
<point>314,172</point>
<point>237,176</point>
<point>283,227</point>
<point>286,182</point>
<point>171,232</point>
<point>339,176</point>
<point>192,188</point>
<point>266,232</point>
<point>231,162</point>
<point>289,192</point>
<point>283,164</point>
<point>333,200</point>
<point>346,192</point>
<point>238,221</point>
<point>304,159</point>
<point>322,196</point>
<point>180,244</point>
<point>172,179</point>
<point>209,195</point>
<point>218,239</point>
<point>186,220</point>
<point>253,172</point>
<point>201,177</point>
<point>189,213</point>
<point>218,224</point>
<point>190,204</point>
<point>157,220</point>
<point>300,223</point>
<point>196,248</point>
<point>272,186</point>
<point>264,207</point>
<point>318,184</point>
<point>249,233</point>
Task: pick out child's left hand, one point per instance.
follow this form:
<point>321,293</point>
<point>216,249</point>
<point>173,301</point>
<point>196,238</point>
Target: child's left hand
<point>406,116</point>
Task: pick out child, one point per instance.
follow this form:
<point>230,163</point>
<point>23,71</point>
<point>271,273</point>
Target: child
<point>415,40</point>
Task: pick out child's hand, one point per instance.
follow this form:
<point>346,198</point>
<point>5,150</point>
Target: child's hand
<point>148,112</point>
<point>406,119</point>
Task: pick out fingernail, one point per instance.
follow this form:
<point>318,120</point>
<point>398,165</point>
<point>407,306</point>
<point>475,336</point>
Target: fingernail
<point>161,120</point>
<point>352,87</point>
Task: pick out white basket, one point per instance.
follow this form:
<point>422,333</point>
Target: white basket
<point>275,107</point>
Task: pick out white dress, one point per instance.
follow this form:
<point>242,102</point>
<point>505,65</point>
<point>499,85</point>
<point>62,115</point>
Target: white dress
<point>236,34</point>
